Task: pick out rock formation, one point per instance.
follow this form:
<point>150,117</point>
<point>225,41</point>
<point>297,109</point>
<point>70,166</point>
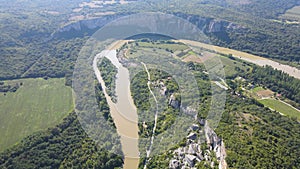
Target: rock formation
<point>194,151</point>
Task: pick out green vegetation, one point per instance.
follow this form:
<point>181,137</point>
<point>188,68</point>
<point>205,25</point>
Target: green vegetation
<point>257,92</point>
<point>264,77</point>
<point>281,107</point>
<point>167,45</point>
<point>266,8</point>
<point>102,103</point>
<point>254,135</point>
<point>256,33</point>
<point>142,100</point>
<point>27,47</point>
<point>9,87</point>
<point>31,51</point>
<point>63,146</point>
<point>162,84</point>
<point>140,92</point>
<point>37,105</point>
<point>276,81</point>
<point>109,72</point>
<point>257,89</point>
<point>233,67</point>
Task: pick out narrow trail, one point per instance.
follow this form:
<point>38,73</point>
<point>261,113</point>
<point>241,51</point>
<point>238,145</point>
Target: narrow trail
<point>148,152</point>
<point>33,64</point>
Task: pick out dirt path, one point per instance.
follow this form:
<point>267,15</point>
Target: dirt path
<point>155,119</point>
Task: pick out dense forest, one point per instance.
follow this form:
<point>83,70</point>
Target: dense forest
<point>108,72</point>
<point>267,8</point>
<point>255,137</point>
<point>277,81</point>
<point>34,51</point>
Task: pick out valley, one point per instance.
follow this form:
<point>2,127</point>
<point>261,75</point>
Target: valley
<point>134,49</point>
<point>123,111</point>
<point>231,99</point>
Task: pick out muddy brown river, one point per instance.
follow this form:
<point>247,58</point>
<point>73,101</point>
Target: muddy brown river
<point>124,112</point>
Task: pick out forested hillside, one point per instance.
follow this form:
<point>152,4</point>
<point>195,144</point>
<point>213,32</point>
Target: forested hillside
<point>42,39</point>
<point>254,136</point>
<point>32,51</point>
<point>65,145</point>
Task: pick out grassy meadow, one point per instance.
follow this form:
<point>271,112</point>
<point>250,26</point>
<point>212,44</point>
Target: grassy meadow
<point>171,47</point>
<point>281,107</point>
<point>258,89</point>
<point>36,105</point>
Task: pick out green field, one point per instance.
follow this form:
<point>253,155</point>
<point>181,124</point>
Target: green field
<point>281,107</point>
<point>258,89</point>
<point>173,47</point>
<point>36,105</point>
<point>231,66</point>
<point>292,14</point>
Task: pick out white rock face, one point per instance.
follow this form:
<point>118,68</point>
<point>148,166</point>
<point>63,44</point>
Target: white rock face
<point>189,155</point>
<point>216,145</point>
<point>88,23</point>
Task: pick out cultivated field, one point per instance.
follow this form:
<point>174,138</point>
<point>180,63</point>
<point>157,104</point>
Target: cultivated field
<point>281,107</point>
<point>247,57</point>
<point>183,53</point>
<point>231,66</point>
<point>227,51</point>
<point>258,89</point>
<point>171,47</point>
<point>36,105</point>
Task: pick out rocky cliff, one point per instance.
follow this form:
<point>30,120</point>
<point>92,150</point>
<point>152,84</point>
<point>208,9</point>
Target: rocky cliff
<point>216,144</point>
<point>85,27</point>
<point>89,23</point>
<point>202,145</point>
<point>207,25</point>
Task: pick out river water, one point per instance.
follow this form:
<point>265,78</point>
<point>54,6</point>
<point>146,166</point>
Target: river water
<point>292,71</point>
<point>124,112</point>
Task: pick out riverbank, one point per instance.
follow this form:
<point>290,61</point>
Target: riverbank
<point>123,112</point>
<point>292,71</point>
